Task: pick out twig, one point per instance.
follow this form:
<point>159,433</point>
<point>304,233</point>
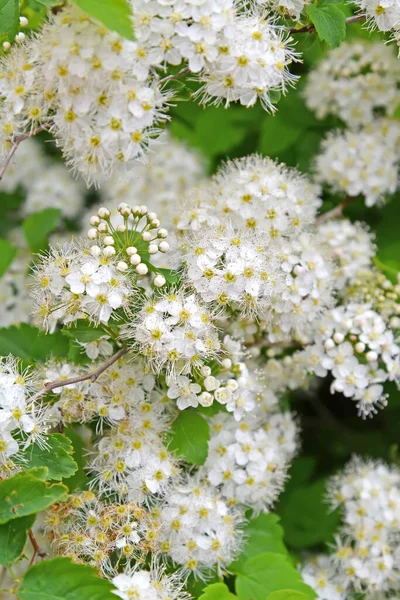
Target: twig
<point>311,28</point>
<point>93,375</point>
<point>180,73</point>
<point>37,551</point>
<point>17,140</point>
<point>337,211</point>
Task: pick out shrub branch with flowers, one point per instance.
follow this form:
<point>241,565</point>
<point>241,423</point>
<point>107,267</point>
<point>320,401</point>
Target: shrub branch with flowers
<point>199,333</point>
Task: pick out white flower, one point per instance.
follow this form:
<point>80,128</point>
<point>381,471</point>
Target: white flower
<point>184,392</point>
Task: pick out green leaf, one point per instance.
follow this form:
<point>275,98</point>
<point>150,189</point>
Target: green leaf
<point>60,579</point>
<point>306,518</point>
<point>9,19</point>
<point>56,457</point>
<point>267,573</point>
<point>38,226</point>
<point>7,254</point>
<point>79,479</point>
<point>217,591</point>
<point>13,537</point>
<point>387,237</point>
<point>190,435</point>
<point>329,22</point>
<point>262,534</point>
<point>287,595</point>
<point>170,275</point>
<point>83,332</point>
<point>27,493</point>
<point>216,132</point>
<point>31,344</point>
<point>114,14</point>
<point>277,135</point>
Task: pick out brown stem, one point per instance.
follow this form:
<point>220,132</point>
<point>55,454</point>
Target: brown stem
<point>37,551</point>
<point>180,73</point>
<point>93,375</point>
<point>337,211</point>
<point>311,29</point>
<point>17,140</point>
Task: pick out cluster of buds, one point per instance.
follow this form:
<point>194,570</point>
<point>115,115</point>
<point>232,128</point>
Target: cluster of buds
<point>20,37</point>
<point>134,238</point>
<point>384,296</point>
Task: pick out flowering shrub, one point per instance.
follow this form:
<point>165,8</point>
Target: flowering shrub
<point>199,273</point>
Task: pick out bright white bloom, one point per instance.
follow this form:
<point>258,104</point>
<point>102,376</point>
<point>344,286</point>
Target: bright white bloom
<point>148,585</point>
<point>198,528</point>
<point>354,82</point>
<point>248,461</point>
<point>383,14</point>
<point>174,331</point>
<point>360,163</point>
<point>320,574</point>
<point>250,62</point>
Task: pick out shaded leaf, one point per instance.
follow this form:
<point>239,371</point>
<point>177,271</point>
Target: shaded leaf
<point>30,344</point>
<point>9,19</point>
<point>13,537</point>
<point>38,226</point>
<point>262,534</point>
<point>7,255</point>
<point>217,591</point>
<point>329,22</point>
<point>60,579</point>
<point>190,435</point>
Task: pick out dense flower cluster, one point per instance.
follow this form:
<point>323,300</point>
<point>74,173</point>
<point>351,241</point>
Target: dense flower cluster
<point>365,557</point>
<point>383,14</point>
<point>93,532</point>
<point>248,461</point>
<point>361,353</point>
<point>355,82</point>
<point>361,163</point>
<point>198,528</point>
<point>148,585</point>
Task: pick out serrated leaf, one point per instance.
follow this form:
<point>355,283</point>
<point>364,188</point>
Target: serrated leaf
<point>217,591</point>
<point>262,534</point>
<point>30,344</point>
<point>7,255</point>
<point>60,579</point>
<point>27,494</point>
<point>13,537</point>
<point>190,435</point>
<point>38,226</point>
<point>114,14</point>
<point>9,19</point>
<point>83,332</point>
<point>57,457</point>
<point>277,135</point>
<point>267,573</point>
<point>329,22</point>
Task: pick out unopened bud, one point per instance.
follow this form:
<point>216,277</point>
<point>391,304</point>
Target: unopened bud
<point>92,234</point>
<point>163,246</point>
<point>135,259</point>
<point>142,269</point>
<point>159,281</point>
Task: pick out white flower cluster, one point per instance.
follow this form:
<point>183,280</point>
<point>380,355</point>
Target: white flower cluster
<point>45,183</point>
<point>253,192</point>
<point>77,282</point>
<point>291,8</point>
<point>22,421</point>
<point>355,82</point>
<point>174,331</point>
<point>364,162</point>
<point>371,286</point>
<point>234,267</point>
<point>148,585</point>
<point>366,554</point>
<point>361,353</point>
<point>198,529</point>
<point>352,248</point>
<point>248,461</point>
<point>94,532</point>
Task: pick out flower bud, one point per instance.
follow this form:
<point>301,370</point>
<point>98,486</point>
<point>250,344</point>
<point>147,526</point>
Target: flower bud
<point>109,251</point>
<point>94,221</point>
<point>103,213</point>
<point>163,246</point>
<point>338,337</point>
<point>152,249</point>
<point>371,356</point>
<point>122,266</point>
<point>92,234</point>
<point>121,228</point>
<point>102,228</point>
<point>329,344</point>
<point>131,250</point>
<point>159,281</point>
<point>142,269</point>
<point>109,240</point>
<point>135,259</point>
<point>162,233</point>
<point>146,236</point>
